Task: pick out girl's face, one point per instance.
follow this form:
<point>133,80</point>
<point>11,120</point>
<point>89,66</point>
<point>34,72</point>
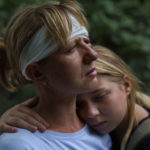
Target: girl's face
<point>105,108</point>
<point>72,70</point>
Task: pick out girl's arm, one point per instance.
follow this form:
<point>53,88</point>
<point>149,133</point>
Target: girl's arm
<point>22,116</point>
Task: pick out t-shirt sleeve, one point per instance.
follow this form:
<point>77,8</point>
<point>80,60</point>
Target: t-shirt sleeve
<point>144,144</point>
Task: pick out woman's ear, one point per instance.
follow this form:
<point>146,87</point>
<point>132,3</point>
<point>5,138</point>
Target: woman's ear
<point>33,72</point>
<point>127,84</point>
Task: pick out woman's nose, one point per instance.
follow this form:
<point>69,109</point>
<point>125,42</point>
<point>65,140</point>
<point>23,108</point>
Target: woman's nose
<point>90,54</point>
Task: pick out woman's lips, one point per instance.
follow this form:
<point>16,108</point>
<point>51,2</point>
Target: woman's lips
<point>91,73</point>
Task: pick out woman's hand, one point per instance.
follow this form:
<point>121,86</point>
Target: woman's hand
<point>22,116</point>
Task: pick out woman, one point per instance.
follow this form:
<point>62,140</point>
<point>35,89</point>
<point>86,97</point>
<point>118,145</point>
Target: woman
<point>43,45</point>
<point>115,106</point>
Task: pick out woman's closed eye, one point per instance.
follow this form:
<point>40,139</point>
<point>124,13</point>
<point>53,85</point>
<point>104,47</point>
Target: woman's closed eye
<point>72,47</point>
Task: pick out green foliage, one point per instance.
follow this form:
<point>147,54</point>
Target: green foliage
<point>8,8</point>
<point>122,25</point>
<point>8,99</point>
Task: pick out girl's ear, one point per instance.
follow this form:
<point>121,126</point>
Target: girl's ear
<point>34,73</point>
<point>127,84</point>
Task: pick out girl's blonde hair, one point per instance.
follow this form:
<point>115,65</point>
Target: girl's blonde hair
<point>23,26</point>
<point>108,63</point>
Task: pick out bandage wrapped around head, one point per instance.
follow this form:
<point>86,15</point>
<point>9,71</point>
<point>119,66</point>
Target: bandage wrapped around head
<point>39,46</point>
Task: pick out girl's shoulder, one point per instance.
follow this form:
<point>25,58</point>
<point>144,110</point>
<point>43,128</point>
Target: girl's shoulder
<point>143,144</point>
<point>140,137</point>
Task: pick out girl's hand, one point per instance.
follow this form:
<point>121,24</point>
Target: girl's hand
<point>22,116</point>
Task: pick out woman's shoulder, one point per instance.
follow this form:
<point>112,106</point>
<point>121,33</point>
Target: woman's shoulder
<point>17,141</point>
<point>20,134</point>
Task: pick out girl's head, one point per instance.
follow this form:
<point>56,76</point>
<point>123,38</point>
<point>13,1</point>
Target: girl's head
<point>114,98</point>
<point>105,108</point>
<point>47,27</point>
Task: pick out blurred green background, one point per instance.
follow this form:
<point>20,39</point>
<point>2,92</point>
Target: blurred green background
<point>122,25</point>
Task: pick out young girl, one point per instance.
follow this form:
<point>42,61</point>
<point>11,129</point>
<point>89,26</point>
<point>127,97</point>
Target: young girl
<point>115,106</point>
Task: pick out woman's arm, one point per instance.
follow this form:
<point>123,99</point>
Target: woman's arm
<point>22,116</point>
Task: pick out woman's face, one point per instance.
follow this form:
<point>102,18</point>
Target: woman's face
<point>104,108</point>
<point>72,70</point>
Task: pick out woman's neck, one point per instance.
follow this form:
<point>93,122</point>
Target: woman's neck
<point>59,111</point>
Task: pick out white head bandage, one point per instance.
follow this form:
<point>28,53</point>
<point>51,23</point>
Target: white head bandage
<point>41,46</point>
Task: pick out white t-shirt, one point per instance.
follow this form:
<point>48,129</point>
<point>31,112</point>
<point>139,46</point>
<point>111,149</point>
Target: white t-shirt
<point>84,139</point>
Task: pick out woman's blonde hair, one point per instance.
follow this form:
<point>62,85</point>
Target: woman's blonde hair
<point>109,64</point>
<point>23,26</point>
